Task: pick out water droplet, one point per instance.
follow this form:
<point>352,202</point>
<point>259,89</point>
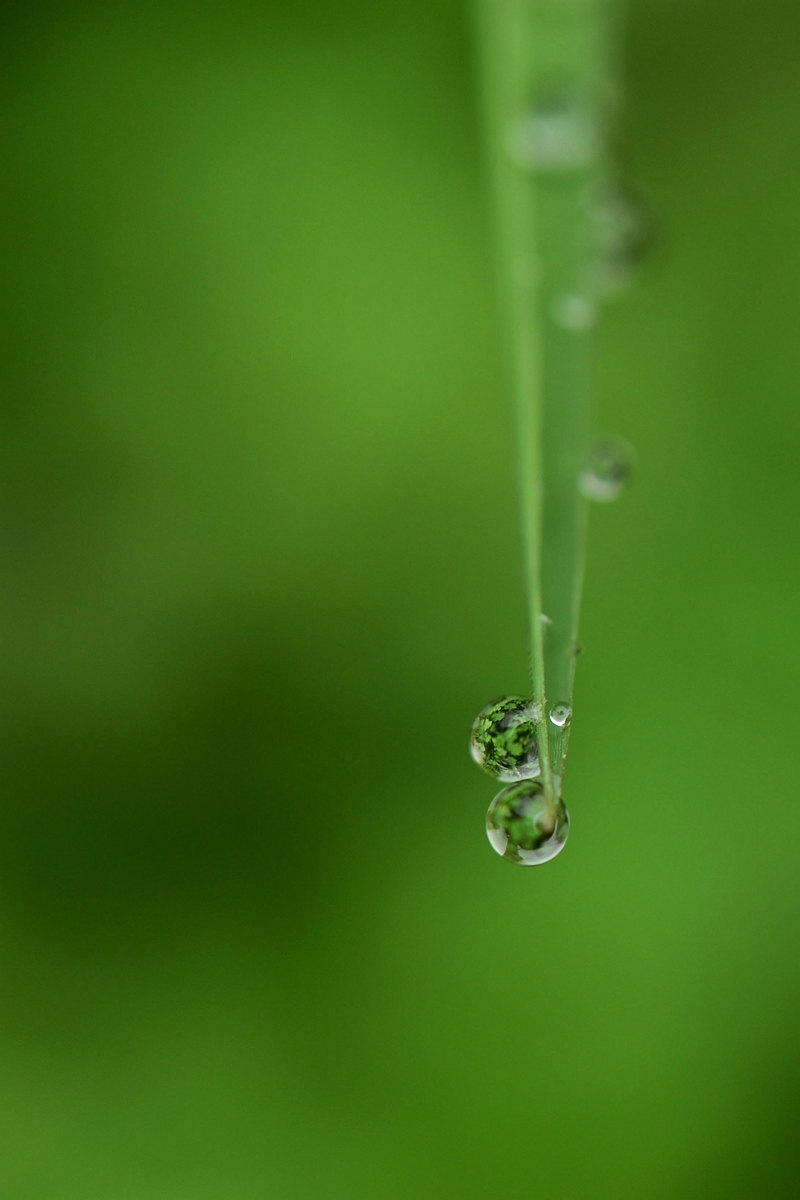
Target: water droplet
<point>574,312</point>
<point>546,621</point>
<point>503,739</point>
<point>559,133</point>
<point>561,714</point>
<point>608,468</point>
<point>522,827</point>
<point>624,239</point>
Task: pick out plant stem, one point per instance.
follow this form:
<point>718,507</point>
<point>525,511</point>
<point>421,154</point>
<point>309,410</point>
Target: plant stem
<point>535,55</point>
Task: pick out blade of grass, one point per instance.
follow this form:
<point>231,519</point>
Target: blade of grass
<point>539,59</point>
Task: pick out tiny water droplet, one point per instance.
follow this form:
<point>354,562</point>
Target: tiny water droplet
<point>608,468</point>
<point>521,826</point>
<point>503,739</point>
<point>546,621</point>
<point>577,647</point>
<point>560,133</point>
<point>561,714</point>
<point>574,312</point>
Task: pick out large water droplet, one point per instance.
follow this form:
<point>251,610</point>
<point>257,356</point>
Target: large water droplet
<point>559,133</point>
<point>522,827</point>
<point>503,739</point>
<point>561,714</point>
<point>608,468</point>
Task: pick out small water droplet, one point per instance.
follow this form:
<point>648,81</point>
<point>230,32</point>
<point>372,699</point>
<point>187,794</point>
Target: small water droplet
<point>504,741</point>
<point>561,714</point>
<point>574,312</point>
<point>522,827</point>
<point>608,468</point>
<point>624,239</point>
<point>546,621</point>
<point>559,133</point>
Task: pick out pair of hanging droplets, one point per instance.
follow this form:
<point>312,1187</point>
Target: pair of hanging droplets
<point>521,825</point>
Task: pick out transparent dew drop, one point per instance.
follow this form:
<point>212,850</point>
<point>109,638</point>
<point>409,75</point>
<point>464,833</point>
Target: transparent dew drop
<point>574,312</point>
<point>560,133</point>
<point>607,469</point>
<point>504,741</point>
<point>522,828</point>
<point>561,714</point>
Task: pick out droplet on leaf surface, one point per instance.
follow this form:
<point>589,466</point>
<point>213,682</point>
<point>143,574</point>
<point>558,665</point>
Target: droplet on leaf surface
<point>558,133</point>
<point>561,714</point>
<point>607,470</point>
<point>625,240</point>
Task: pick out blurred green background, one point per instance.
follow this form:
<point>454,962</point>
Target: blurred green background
<point>260,569</point>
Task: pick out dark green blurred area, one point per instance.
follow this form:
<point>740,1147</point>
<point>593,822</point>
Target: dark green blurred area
<point>260,570</point>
